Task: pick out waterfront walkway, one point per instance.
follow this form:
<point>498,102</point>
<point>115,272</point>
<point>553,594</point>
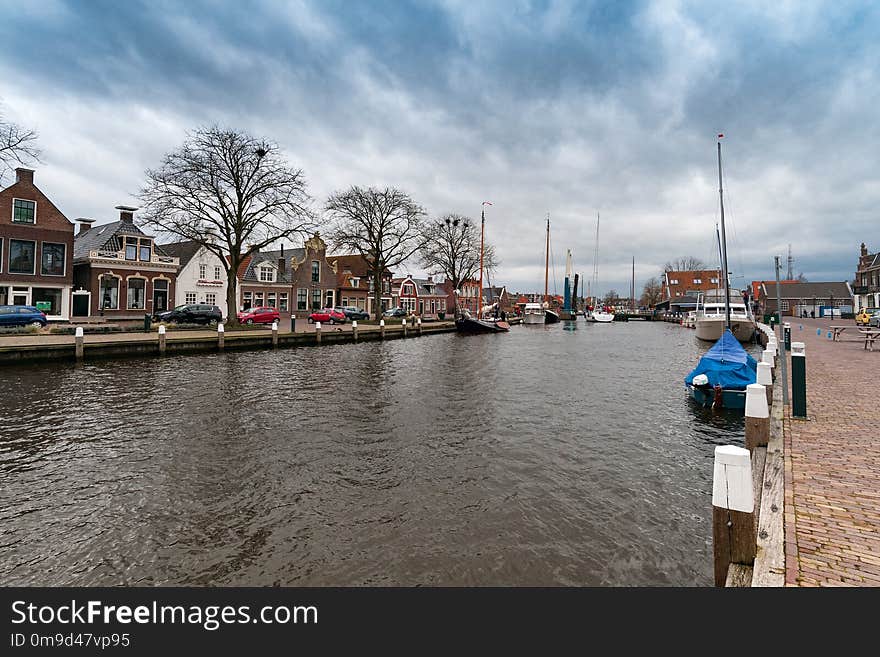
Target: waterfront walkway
<point>832,464</point>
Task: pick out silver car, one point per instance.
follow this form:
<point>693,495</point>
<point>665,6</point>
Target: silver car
<point>875,319</point>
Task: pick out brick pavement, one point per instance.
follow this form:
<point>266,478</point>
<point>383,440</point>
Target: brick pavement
<point>832,465</point>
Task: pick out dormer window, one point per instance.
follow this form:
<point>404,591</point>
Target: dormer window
<point>131,248</point>
<point>316,272</point>
<point>697,281</point>
<point>145,251</point>
<point>24,212</point>
<point>267,274</point>
<point>354,281</point>
<point>409,289</point>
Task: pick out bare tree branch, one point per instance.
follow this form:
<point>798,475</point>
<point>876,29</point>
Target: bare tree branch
<point>230,192</point>
<point>685,263</point>
<point>652,293</point>
<point>381,225</point>
<point>17,146</point>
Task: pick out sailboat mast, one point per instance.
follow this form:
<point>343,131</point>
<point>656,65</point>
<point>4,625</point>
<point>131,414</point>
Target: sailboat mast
<point>723,242</point>
<point>596,263</point>
<point>632,288</point>
<point>480,290</point>
<point>547,259</point>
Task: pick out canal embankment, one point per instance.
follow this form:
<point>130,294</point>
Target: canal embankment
<point>53,347</point>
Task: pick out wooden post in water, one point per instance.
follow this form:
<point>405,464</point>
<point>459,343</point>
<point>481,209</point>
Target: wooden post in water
<point>733,510</point>
<point>382,328</point>
<point>404,326</point>
<point>162,339</point>
<point>419,325</point>
<point>354,329</point>
<point>274,334</point>
<point>221,335</point>
<point>765,378</point>
<point>757,417</point>
<point>79,343</point>
<point>317,331</point>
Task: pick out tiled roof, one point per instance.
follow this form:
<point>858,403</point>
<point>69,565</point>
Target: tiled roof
<point>256,259</point>
<point>184,251</point>
<point>106,237</point>
<point>808,290</point>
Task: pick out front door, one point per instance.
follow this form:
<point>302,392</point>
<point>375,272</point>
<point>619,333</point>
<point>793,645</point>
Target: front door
<point>81,304</point>
<point>19,299</point>
<point>160,301</point>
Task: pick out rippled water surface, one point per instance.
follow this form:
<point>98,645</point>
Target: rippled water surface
<point>546,456</point>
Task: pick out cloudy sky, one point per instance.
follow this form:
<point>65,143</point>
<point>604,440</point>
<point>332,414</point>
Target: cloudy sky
<point>560,107</point>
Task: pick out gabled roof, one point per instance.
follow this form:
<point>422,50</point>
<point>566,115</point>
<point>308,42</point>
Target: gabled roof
<point>184,251</point>
<point>840,290</point>
<point>421,284</point>
<point>271,257</point>
<point>107,237</point>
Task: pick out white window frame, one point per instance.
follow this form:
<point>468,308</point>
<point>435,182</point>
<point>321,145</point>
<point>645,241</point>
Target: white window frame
<point>355,281</point>
<point>103,276</point>
<point>318,278</point>
<point>698,281</point>
<point>21,223</point>
<point>42,245</point>
<point>784,305</point>
<point>9,255</point>
<point>211,298</point>
<point>266,273</point>
<point>190,298</point>
<point>128,289</point>
<point>218,273</point>
<point>283,301</point>
<point>1,255</point>
<point>203,271</point>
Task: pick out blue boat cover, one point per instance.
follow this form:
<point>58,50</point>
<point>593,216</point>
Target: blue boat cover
<point>727,364</point>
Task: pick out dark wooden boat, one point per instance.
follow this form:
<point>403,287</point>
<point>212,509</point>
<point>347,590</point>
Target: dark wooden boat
<point>550,317</point>
<point>471,325</point>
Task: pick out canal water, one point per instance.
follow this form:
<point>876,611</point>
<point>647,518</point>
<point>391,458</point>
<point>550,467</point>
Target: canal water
<point>560,455</point>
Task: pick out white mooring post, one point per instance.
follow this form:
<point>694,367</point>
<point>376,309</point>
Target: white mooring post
<point>161,338</point>
<point>317,331</point>
<point>79,342</point>
<point>757,417</point>
<point>354,329</point>
<point>765,378</point>
<point>382,328</point>
<point>275,334</point>
<point>221,335</point>
<point>404,327</point>
<point>419,325</point>
<point>733,510</point>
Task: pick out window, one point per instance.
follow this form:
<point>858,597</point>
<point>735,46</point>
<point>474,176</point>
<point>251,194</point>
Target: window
<point>247,300</point>
<point>697,281</point>
<point>218,273</point>
<point>189,298</point>
<point>673,281</point>
<point>330,296</point>
<point>258,298</point>
<point>282,302</point>
<point>316,299</point>
<point>713,280</point>
<point>409,289</point>
<point>316,271</point>
<point>24,212</point>
<point>109,292</point>
<point>270,300</point>
<point>784,305</point>
<point>131,248</point>
<point>137,288</point>
<point>47,299</point>
<point>53,259</point>
<point>1,254</point>
<point>203,272</point>
<point>355,282</point>
<point>267,273</point>
<point>22,257</point>
<point>211,299</point>
<point>145,251</point>
<point>302,299</point>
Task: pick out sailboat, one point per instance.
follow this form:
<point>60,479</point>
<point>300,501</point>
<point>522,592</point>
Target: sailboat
<point>714,319</point>
<point>593,313</point>
<point>481,324</point>
<point>540,313</point>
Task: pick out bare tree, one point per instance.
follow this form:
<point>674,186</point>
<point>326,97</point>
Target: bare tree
<point>381,225</point>
<point>652,293</point>
<point>611,298</point>
<point>230,192</point>
<point>685,263</point>
<point>18,145</point>
<point>450,245</point>
<point>801,278</point>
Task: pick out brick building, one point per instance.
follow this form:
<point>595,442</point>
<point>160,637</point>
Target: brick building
<point>419,296</point>
<point>677,284</point>
<point>814,298</point>
<point>354,283</point>
<point>36,249</point>
<point>866,289</point>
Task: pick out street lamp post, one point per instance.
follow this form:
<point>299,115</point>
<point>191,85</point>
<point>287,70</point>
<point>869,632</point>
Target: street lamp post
<point>831,303</point>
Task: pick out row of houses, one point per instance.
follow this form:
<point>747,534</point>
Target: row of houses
<point>116,271</point>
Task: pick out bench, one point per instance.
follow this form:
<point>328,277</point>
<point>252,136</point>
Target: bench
<point>870,335</point>
<point>837,330</point>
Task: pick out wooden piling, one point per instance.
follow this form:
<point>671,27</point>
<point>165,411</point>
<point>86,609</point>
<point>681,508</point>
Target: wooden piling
<point>382,329</point>
<point>354,330</point>
<point>757,417</point>
<point>765,378</point>
<point>317,331</point>
<point>733,510</point>
<point>404,326</point>
<point>162,339</point>
<point>274,334</point>
<point>80,351</point>
<point>419,326</point>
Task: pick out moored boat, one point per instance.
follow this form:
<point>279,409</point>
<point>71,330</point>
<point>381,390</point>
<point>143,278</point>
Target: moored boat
<point>722,375</point>
<point>533,313</point>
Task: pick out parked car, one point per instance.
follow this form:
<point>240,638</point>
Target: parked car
<point>863,318</point>
<point>351,312</point>
<point>22,316</point>
<point>259,315</point>
<point>875,319</point>
<point>193,313</point>
<point>397,311</point>
<point>327,315</point>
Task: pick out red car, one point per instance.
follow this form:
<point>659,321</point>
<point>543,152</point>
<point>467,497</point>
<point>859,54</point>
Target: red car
<point>259,315</point>
<point>327,315</point>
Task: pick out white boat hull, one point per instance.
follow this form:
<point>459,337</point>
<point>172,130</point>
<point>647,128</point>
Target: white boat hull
<point>533,318</point>
<point>600,318</point>
<point>711,329</point>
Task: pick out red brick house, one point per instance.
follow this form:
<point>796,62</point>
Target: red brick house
<point>689,283</point>
<point>36,249</point>
<point>354,283</point>
<point>419,296</point>
<point>119,272</point>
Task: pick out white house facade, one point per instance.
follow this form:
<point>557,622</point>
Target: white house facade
<point>201,278</point>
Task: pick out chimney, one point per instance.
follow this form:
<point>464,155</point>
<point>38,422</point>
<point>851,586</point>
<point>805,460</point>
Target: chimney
<point>864,248</point>
<point>430,279</point>
<point>281,263</point>
<point>23,175</point>
<point>126,213</point>
<point>84,224</point>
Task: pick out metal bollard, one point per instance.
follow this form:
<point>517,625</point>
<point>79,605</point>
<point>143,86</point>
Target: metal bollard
<point>79,343</point>
<point>161,338</point>
<point>757,417</point>
<point>786,335</point>
<point>798,380</point>
<point>292,323</point>
<point>382,329</point>
<point>765,378</point>
<point>733,510</point>
<point>221,335</point>
<point>354,329</point>
<point>274,334</point>
<point>317,331</point>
